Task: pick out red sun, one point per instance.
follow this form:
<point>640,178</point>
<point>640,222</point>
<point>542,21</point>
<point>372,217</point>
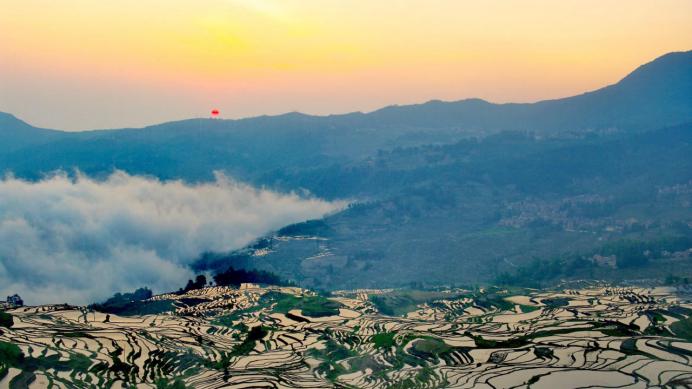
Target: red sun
<point>214,112</point>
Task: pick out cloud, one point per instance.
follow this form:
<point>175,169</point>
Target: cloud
<point>80,240</point>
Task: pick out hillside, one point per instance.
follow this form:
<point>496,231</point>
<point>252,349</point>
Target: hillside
<point>260,149</point>
<point>468,211</point>
<point>16,134</point>
<point>444,191</point>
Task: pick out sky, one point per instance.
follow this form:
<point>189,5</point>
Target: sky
<point>84,64</point>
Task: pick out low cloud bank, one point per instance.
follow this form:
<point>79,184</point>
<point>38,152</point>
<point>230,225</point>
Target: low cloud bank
<point>80,240</point>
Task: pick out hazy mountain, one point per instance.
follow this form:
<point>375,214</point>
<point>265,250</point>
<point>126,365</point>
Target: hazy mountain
<point>655,95</point>
<point>468,211</point>
<point>462,190</point>
<point>16,134</point>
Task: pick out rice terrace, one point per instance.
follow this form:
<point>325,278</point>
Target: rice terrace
<point>288,337</point>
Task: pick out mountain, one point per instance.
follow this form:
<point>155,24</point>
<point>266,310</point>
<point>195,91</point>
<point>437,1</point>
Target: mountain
<point>654,95</point>
<point>442,191</point>
<point>470,211</point>
<point>17,134</point>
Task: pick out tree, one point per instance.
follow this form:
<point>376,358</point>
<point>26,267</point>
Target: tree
<point>6,320</point>
<point>199,283</point>
<point>233,277</point>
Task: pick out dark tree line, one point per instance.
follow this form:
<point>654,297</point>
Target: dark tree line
<point>122,303</point>
<point>235,277</point>
<point>199,283</point>
<point>628,253</point>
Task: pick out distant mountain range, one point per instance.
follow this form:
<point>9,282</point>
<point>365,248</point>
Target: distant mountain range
<point>458,189</point>
<point>655,95</point>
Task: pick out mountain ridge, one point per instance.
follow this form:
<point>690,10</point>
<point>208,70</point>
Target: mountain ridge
<point>677,63</point>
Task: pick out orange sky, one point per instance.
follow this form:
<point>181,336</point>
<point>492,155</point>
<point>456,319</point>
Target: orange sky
<point>83,64</point>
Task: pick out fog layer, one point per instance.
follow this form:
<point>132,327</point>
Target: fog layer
<point>79,240</point>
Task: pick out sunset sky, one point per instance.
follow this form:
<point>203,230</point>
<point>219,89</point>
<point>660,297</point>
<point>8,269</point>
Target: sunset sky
<point>85,64</point>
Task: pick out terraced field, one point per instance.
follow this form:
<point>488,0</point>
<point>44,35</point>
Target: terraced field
<point>290,337</point>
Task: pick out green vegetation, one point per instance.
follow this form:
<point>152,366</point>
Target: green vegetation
<point>493,298</point>
<point>135,308</point>
<point>676,280</point>
<point>428,203</point>
<point>199,283</point>
<point>163,383</point>
<point>424,348</point>
<point>233,277</point>
<point>362,362</point>
<point>523,340</point>
<point>556,302</point>
<point>6,320</point>
<point>533,380</point>
<point>384,340</point>
<point>543,352</point>
<point>629,346</point>
<point>427,346</point>
<point>683,328</point>
<point>255,334</point>
<point>678,312</point>
<point>244,348</point>
<point>528,308</point>
<point>422,378</point>
<point>539,272</point>
<point>312,306</point>
<point>228,320</point>
<point>331,355</point>
<point>307,228</point>
<point>10,356</point>
<point>655,316</point>
<point>130,304</point>
<point>637,255</point>
<point>519,341</point>
<point>79,362</point>
<point>400,302</point>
